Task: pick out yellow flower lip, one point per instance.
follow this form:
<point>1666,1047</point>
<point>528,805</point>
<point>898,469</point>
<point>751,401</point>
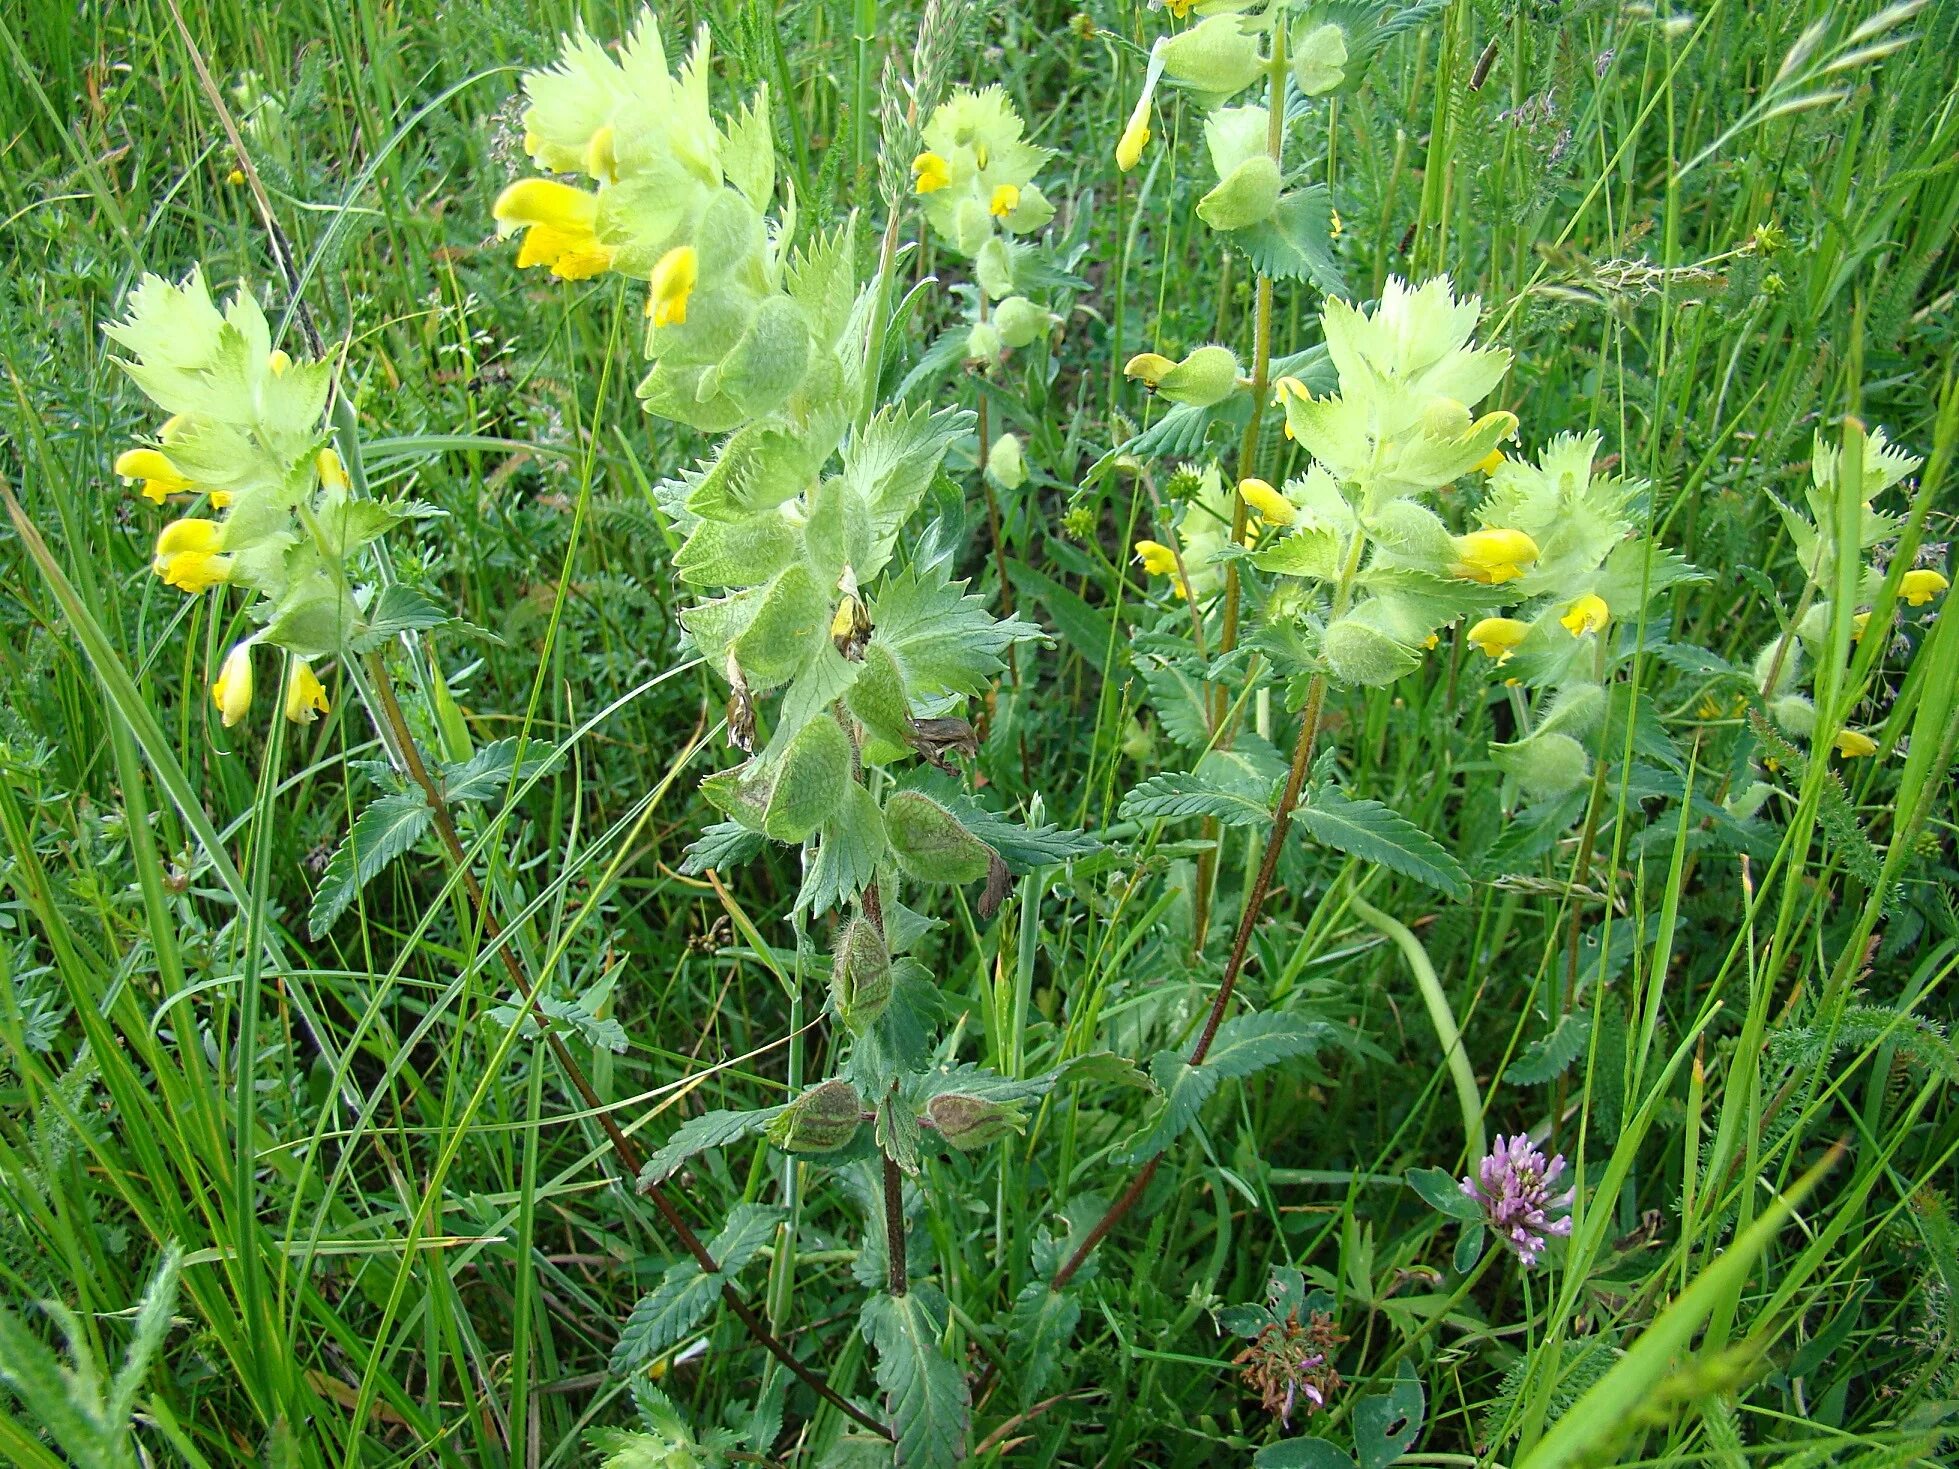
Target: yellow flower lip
<point>160,477</point>
<point>1157,558</point>
<point>1006,199</point>
<point>1854,744</point>
<point>600,159</point>
<point>1135,138</point>
<point>306,697</point>
<point>189,555</point>
<point>333,474</point>
<point>1498,636</point>
<point>673,280</point>
<point>1921,586</point>
<point>559,223</point>
<point>1586,615</point>
<point>1490,463</point>
<point>930,173</point>
<point>1493,556</point>
<point>1271,506</point>
<point>1149,368</point>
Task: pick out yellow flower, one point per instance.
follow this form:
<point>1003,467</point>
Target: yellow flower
<point>279,360</point>
<point>1135,138</point>
<point>1491,462</point>
<point>558,222</point>
<point>1005,200</point>
<point>1336,229</point>
<point>1157,558</point>
<point>1919,587</point>
<point>674,274</point>
<point>160,477</point>
<point>930,173</point>
<point>235,177</point>
<point>1587,615</point>
<point>232,693</point>
<point>1858,622</point>
<point>1181,8</point>
<point>306,698</point>
<point>1853,744</point>
<point>1498,636</point>
<point>1272,507</point>
<point>1431,640</point>
<point>1493,556</point>
<point>333,474</point>
<point>189,555</point>
<point>221,499</point>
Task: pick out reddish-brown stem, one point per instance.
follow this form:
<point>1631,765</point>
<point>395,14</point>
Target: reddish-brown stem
<point>623,1147</point>
<point>1302,759</point>
<point>897,1275</point>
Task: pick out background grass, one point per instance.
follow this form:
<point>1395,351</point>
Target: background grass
<point>402,1239</point>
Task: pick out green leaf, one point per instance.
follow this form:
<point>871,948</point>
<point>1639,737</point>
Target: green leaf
<point>698,1134</point>
<point>1469,1248</point>
<point>1087,631</point>
<point>398,609</point>
<point>1372,832</point>
<point>749,1229</point>
<point>685,1294</point>
<point>1441,1192</point>
<point>1549,1057</point>
<point>1302,1453</point>
<point>724,845</point>
<point>1244,1044</point>
<point>1296,242</point>
<point>388,827</point>
<point>942,638</point>
<point>1022,848</point>
<point>1040,1327</point>
<point>926,1392</point>
<point>488,773</point>
<point>1385,1424</point>
<point>899,1136</point>
<point>850,844</point>
<point>1176,795</point>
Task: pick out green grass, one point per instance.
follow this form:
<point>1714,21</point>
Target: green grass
<point>404,1234</point>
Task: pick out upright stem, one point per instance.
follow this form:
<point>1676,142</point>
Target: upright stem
<point>623,1147</point>
<point>897,1274</point>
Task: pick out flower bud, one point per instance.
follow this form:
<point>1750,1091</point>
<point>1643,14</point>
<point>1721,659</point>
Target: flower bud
<point>1361,655</point>
<point>1794,713</point>
<point>930,844</point>
<point>993,268</point>
<point>984,342</point>
<point>1207,376</point>
<point>232,693</point>
<point>1546,764</point>
<point>821,1120</point>
<point>969,1122</point>
<point>860,974</point>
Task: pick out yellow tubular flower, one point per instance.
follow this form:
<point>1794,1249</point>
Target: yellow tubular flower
<point>333,474</point>
<point>232,693</point>
<point>558,222</point>
<point>1854,744</point>
<point>1498,636</point>
<point>1148,368</point>
<point>1491,462</point>
<point>1858,623</point>
<point>1587,615</point>
<point>160,477</point>
<point>1919,587</point>
<point>189,555</point>
<point>930,173</point>
<point>306,698</point>
<point>279,361</point>
<point>1135,138</point>
<point>221,499</point>
<point>673,282</point>
<point>1272,507</point>
<point>600,160</point>
<point>1157,558</point>
<point>1006,199</point>
<point>1493,556</point>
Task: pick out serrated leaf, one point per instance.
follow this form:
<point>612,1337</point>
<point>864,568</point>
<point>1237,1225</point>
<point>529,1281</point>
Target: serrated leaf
<point>850,844</point>
<point>1022,848</point>
<point>925,1392</point>
<point>942,638</point>
<point>1176,795</point>
<point>749,1229</point>
<point>1442,1193</point>
<point>488,773</point>
<point>388,827</point>
<point>1296,242</point>
<point>1040,1327</point>
<point>1531,833</point>
<point>1245,1044</point>
<point>662,1317</point>
<point>698,1134</point>
<point>398,609</point>
<point>1372,832</point>
<point>1549,1057</point>
<point>724,845</point>
<point>899,1136</point>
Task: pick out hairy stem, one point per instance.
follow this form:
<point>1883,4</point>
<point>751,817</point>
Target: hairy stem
<point>623,1147</point>
<point>897,1274</point>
